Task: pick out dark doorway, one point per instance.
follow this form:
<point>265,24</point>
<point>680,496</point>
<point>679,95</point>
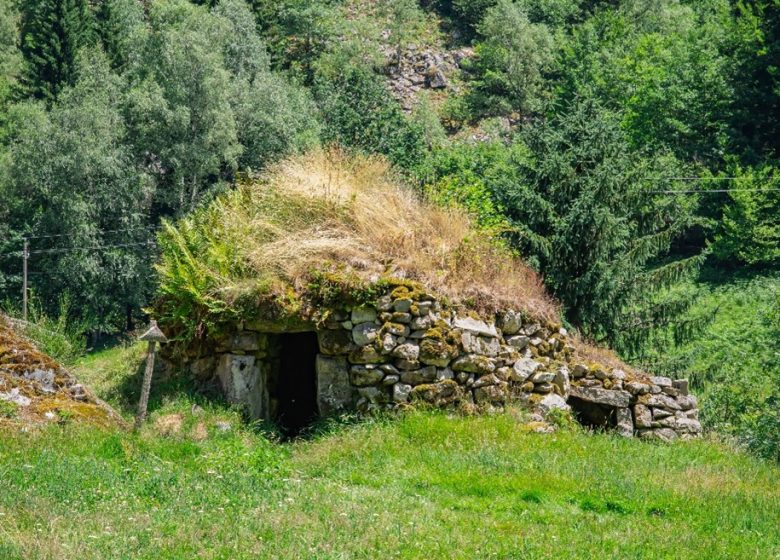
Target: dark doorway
<point>296,391</point>
<point>592,415</point>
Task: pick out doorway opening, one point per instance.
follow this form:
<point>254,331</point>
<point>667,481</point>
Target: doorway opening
<point>296,386</point>
<point>592,415</point>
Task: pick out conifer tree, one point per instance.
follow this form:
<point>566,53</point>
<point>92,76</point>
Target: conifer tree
<point>52,32</point>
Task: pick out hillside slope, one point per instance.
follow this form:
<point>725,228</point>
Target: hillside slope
<point>421,486</point>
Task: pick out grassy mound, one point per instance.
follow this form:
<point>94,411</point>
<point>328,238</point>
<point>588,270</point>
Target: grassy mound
<point>422,486</point>
<point>347,223</point>
<point>35,389</point>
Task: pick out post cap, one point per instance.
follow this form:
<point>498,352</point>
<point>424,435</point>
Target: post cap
<point>154,334</point>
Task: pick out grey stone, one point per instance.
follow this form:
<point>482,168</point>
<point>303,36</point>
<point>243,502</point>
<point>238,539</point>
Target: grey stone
<point>435,352</point>
<point>242,384</point>
<point>365,375</point>
<point>444,373</point>
<point>403,305</point>
<point>43,377</point>
<point>475,344</point>
<point>659,413</point>
<point>485,380</point>
<point>552,402</point>
<point>543,377</point>
<point>374,395</point>
<point>388,342</point>
<point>364,333</point>
<point>438,394</point>
<point>384,303</point>
<point>617,399</point>
<point>14,396</point>
<point>437,79</point>
<point>687,402</point>
<point>401,392</point>
<point>363,315</point>
<point>579,370</point>
<point>625,425</point>
<point>391,380</point>
<point>637,388</point>
<point>531,329</point>
<point>618,375</point>
<point>681,385</point>
<point>333,343</point>
<point>246,341</point>
<point>511,322</point>
<point>474,363</point>
<point>561,380</point>
<point>347,325</point>
<point>333,388</point>
<point>523,369</point>
<point>520,341</point>
<point>424,308</point>
<point>643,418</point>
<point>365,355</point>
<point>403,318</point>
<point>396,329</point>
<point>543,388</point>
<point>475,326</point>
<point>203,368</point>
<point>491,394</point>
<point>661,401</point>
<point>419,376</point>
<point>661,381</point>
<point>421,323</point>
<point>408,351</point>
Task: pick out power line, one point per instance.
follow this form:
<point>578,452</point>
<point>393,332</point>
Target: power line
<point>97,247</point>
<point>146,228</point>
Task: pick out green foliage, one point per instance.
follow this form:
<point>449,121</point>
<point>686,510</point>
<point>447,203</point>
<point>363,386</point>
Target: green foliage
<point>510,63</point>
<point>731,357</point>
<point>663,66</point>
<point>52,33</point>
<point>80,141</point>
<point>749,231</point>
<point>358,112</point>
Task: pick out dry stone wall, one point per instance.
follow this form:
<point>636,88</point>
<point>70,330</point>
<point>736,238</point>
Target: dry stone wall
<point>409,348</point>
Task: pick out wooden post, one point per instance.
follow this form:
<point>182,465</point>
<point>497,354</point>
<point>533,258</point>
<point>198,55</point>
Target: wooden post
<point>25,257</point>
<point>153,336</point>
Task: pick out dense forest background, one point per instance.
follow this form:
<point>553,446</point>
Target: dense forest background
<point>627,149</point>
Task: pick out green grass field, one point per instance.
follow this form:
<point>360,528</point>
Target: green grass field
<point>423,485</point>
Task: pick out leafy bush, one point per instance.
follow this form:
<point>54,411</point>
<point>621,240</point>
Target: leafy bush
<point>511,62</point>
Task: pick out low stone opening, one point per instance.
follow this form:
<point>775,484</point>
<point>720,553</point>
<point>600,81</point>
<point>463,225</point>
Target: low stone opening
<point>594,416</point>
<point>293,392</point>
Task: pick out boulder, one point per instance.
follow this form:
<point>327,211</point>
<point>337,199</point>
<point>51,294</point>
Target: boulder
<point>365,355</point>
<point>401,392</point>
<point>643,418</point>
<point>552,402</point>
<point>510,322</point>
<point>408,351</point>
<point>491,394</point>
<point>520,341</point>
<point>438,394</point>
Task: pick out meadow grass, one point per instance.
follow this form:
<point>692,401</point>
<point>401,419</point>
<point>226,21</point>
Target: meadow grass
<point>424,485</point>
<point>419,485</point>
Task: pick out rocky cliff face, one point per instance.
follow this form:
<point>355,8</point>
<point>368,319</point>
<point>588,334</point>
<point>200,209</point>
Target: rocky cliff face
<point>408,348</point>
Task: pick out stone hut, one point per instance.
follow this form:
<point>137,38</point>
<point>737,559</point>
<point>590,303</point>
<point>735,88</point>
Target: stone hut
<point>409,348</point>
<point>327,284</point>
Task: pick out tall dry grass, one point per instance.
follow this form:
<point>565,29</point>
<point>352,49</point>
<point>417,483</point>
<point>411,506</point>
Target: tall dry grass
<point>327,211</point>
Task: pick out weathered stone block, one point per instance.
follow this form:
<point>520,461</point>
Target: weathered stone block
<point>365,355</point>
<point>643,418</point>
<point>419,376</point>
<point>365,375</point>
<point>246,341</point>
<point>401,392</point>
<point>408,351</point>
<point>510,322</point>
<point>625,424</point>
<point>476,344</point>
<point>493,394</point>
<point>436,352</point>
<point>334,391</point>
<point>519,342</point>
<point>523,369</point>
<point>475,326</point>
<point>438,394</point>
<point>474,363</point>
<point>617,399</point>
<point>242,384</point>
<point>333,343</point>
<point>364,333</point>
<point>363,315</point>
